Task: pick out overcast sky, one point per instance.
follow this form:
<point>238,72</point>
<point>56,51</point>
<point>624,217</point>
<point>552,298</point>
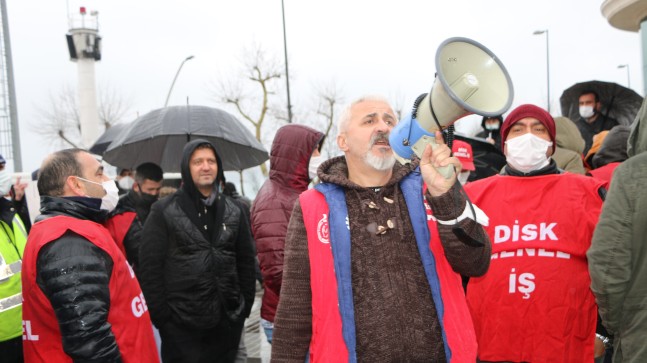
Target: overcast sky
<point>364,46</point>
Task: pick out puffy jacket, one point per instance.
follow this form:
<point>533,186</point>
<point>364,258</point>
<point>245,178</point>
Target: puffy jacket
<point>196,260</point>
<point>570,144</point>
<point>74,274</point>
<point>568,136</point>
<point>613,148</point>
<point>289,158</point>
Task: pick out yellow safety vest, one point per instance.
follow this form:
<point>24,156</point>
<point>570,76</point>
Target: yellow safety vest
<point>12,246</point>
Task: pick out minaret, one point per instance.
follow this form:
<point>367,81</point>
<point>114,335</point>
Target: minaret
<point>84,44</point>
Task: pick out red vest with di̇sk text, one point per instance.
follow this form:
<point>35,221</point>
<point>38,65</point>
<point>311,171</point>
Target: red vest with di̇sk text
<point>535,303</point>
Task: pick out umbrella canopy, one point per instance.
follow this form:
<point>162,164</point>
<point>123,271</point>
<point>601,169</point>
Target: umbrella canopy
<point>618,102</point>
<point>160,135</point>
<point>108,136</point>
<point>488,160</point>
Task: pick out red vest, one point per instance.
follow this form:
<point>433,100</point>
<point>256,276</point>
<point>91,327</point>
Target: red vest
<point>535,303</point>
<point>327,343</point>
<point>128,316</point>
<point>604,173</point>
<point>118,226</point>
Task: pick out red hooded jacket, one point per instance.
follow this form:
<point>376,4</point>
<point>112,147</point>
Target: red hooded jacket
<point>289,158</point>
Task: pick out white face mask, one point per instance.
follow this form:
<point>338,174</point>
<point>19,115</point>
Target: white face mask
<point>315,161</point>
<point>587,111</point>
<point>126,183</point>
<point>5,182</point>
<point>527,152</point>
<point>110,200</point>
<point>463,176</point>
<point>491,127</point>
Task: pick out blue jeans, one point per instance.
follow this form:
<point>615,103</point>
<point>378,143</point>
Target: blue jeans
<point>268,327</point>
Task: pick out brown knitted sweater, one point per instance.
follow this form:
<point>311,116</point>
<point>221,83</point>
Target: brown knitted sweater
<point>395,316</point>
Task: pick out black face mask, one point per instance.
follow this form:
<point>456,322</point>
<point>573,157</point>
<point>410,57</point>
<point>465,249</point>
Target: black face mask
<point>148,199</point>
<point>145,200</point>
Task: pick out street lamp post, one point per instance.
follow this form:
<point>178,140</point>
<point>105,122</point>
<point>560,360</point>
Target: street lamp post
<point>539,32</point>
<point>287,74</point>
<point>628,78</point>
<point>175,78</point>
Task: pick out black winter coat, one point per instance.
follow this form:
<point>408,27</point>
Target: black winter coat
<point>191,277</point>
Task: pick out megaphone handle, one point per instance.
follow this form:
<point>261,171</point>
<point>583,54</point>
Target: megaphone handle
<point>446,171</point>
<point>419,147</point>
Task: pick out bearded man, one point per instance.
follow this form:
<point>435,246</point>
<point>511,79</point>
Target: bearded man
<point>370,274</point>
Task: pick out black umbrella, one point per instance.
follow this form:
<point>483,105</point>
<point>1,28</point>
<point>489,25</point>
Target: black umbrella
<point>160,135</point>
<point>108,136</point>
<point>488,160</point>
<point>618,102</point>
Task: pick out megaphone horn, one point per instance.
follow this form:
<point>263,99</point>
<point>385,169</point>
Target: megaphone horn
<point>469,79</point>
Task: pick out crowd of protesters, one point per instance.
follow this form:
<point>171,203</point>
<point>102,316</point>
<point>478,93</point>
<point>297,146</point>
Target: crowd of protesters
<point>361,258</point>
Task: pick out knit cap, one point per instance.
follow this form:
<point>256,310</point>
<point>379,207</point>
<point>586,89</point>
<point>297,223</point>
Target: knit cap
<point>533,111</point>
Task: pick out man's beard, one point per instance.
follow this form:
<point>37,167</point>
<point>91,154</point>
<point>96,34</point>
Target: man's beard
<point>383,162</point>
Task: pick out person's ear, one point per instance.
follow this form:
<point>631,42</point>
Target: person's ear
<point>75,185</point>
<point>341,142</point>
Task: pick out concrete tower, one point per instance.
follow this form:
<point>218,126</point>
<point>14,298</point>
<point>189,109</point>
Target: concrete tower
<point>84,44</point>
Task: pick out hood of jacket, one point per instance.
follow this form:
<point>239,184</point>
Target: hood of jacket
<point>637,142</point>
<point>613,148</point>
<point>335,171</point>
<point>568,135</point>
<point>290,155</point>
<point>188,186</point>
<point>494,132</point>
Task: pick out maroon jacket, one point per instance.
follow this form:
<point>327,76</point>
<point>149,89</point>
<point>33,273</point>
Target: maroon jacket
<point>289,158</point>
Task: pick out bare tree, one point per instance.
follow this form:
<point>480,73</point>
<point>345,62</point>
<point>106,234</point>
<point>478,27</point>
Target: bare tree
<point>329,100</point>
<point>252,100</point>
<point>113,108</point>
<point>60,121</point>
<point>398,104</point>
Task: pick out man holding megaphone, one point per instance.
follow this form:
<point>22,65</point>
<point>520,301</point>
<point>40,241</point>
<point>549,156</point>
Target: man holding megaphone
<point>372,262</point>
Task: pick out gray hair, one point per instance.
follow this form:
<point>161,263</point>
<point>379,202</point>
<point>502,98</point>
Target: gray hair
<point>344,118</point>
